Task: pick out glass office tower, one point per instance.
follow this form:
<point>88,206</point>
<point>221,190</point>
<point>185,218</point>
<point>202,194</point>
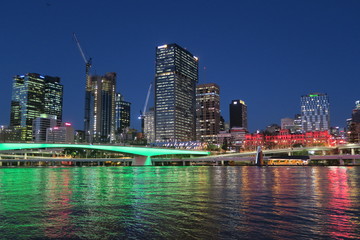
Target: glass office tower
<point>100,108</point>
<point>207,112</point>
<point>122,114</point>
<point>238,114</point>
<point>32,95</point>
<point>175,82</point>
<point>315,113</point>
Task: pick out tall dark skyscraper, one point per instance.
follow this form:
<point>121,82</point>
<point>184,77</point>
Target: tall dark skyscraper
<point>175,82</point>
<point>315,112</point>
<point>99,120</point>
<point>34,94</point>
<point>122,114</point>
<point>355,116</point>
<point>238,114</point>
<point>354,124</point>
<point>207,112</point>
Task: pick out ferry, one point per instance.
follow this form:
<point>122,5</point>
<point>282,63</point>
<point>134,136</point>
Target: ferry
<point>288,161</point>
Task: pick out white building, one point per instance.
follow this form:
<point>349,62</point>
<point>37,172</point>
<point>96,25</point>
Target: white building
<point>40,124</point>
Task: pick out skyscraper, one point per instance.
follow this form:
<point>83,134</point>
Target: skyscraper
<point>315,113</point>
<point>354,124</point>
<point>99,120</point>
<point>34,94</point>
<point>175,82</point>
<point>355,116</point>
<point>149,129</point>
<point>207,112</point>
<point>122,114</point>
<point>238,114</point>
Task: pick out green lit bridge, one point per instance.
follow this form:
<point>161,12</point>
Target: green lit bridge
<point>142,155</point>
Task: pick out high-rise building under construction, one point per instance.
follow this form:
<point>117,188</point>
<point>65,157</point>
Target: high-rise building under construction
<point>99,120</point>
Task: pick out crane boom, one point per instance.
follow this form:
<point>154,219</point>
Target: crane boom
<point>142,114</point>
<point>147,98</point>
<point>87,61</point>
<point>80,49</point>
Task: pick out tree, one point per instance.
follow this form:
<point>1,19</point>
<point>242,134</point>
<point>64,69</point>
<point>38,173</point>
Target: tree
<point>212,147</point>
<point>225,145</point>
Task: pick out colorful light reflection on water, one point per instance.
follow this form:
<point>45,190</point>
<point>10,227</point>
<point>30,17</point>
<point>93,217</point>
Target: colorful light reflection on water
<point>180,202</point>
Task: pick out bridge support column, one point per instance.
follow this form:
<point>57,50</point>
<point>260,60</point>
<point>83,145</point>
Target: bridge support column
<point>323,152</point>
<point>289,153</point>
<point>341,152</point>
<point>353,151</point>
<point>142,161</point>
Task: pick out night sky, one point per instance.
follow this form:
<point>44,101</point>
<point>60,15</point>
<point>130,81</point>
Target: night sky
<point>267,53</point>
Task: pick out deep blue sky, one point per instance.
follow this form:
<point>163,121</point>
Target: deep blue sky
<point>267,53</point>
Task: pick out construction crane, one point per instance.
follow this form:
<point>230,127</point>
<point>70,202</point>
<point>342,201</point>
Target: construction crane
<point>87,127</point>
<point>142,114</point>
<point>87,61</point>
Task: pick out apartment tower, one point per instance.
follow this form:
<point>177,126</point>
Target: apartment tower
<point>207,112</point>
<point>315,112</point>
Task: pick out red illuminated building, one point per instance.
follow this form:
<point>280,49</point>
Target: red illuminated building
<point>285,139</point>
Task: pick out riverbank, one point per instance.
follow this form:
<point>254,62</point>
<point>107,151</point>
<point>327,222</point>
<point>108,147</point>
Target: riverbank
<point>159,162</point>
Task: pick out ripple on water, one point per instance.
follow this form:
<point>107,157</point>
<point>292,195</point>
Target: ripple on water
<point>180,203</point>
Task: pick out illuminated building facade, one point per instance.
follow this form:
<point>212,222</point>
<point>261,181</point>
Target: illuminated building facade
<point>122,114</point>
<point>9,134</point>
<point>238,114</point>
<point>207,112</point>
<point>293,124</point>
<point>315,112</point>
<point>297,124</point>
<point>175,82</point>
<point>287,123</point>
<point>285,139</point>
<point>34,94</point>
<point>99,117</point>
<point>79,136</point>
<point>149,127</point>
<point>355,117</point>
<point>354,124</point>
<point>40,124</point>
<point>62,134</point>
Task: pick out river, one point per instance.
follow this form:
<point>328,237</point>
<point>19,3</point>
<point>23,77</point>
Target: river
<point>219,202</point>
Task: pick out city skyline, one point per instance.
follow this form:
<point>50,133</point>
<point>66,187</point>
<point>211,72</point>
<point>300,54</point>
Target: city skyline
<point>268,53</point>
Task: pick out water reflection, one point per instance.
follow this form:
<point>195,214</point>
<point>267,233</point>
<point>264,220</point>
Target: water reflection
<point>180,202</point>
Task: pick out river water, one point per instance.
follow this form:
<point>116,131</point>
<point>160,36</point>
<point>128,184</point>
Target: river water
<point>180,203</point>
